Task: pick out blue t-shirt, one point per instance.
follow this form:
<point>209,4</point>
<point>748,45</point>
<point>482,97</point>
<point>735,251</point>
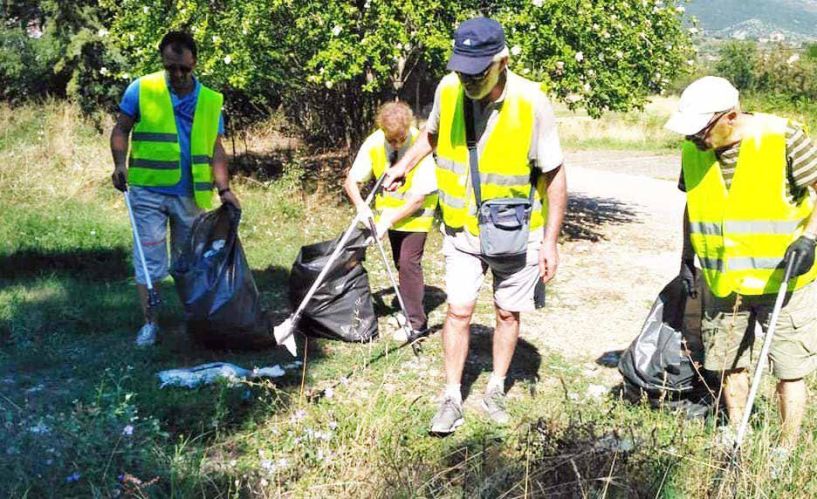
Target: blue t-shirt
<point>183,108</point>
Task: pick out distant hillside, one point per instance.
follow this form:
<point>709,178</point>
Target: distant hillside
<point>796,19</point>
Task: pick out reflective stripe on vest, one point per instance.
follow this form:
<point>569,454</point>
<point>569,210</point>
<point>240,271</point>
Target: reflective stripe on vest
<point>423,218</point>
<point>504,166</point>
<point>740,236</point>
<point>155,155</point>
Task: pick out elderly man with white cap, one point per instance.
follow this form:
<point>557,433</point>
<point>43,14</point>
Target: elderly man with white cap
<point>747,178</point>
<point>502,193</point>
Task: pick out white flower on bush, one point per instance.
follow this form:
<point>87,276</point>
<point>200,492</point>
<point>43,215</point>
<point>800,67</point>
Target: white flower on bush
<point>228,59</point>
<point>560,65</point>
<point>619,54</point>
<point>537,3</point>
<point>516,50</point>
<point>587,87</point>
<point>145,9</point>
<point>680,9</point>
<point>579,56</point>
<point>329,84</point>
<point>693,31</point>
<point>103,71</point>
<point>102,33</point>
<point>127,430</point>
<point>337,29</point>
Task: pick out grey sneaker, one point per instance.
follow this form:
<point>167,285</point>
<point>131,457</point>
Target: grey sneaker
<point>147,335</point>
<point>494,404</point>
<point>448,417</point>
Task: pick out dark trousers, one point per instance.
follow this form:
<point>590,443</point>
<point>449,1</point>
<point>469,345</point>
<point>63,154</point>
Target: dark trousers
<point>407,249</point>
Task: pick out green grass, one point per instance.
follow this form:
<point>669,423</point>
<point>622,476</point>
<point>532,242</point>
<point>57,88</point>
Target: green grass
<point>72,387</point>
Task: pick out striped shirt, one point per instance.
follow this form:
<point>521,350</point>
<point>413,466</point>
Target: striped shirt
<point>801,160</point>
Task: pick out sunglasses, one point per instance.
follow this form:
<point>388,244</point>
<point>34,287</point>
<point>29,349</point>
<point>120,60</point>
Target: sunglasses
<point>172,68</point>
<point>476,77</point>
<point>701,135</point>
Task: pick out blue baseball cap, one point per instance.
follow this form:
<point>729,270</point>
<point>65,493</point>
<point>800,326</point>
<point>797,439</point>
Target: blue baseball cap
<point>476,42</point>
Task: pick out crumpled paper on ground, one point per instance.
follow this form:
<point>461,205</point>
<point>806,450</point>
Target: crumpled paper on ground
<point>206,374</point>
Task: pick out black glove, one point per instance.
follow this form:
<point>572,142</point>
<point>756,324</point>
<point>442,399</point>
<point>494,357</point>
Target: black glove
<point>689,277</point>
<point>119,177</point>
<point>801,253</point>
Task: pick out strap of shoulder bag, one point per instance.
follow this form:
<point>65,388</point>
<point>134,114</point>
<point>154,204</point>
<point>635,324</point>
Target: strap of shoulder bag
<point>471,141</point>
<point>473,158</point>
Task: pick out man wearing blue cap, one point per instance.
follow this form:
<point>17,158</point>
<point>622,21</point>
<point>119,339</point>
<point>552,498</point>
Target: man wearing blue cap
<point>500,126</point>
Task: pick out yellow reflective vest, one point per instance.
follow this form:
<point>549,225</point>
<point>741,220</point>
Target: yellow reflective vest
<point>504,166</point>
<point>423,218</point>
<point>740,235</point>
<point>155,158</point>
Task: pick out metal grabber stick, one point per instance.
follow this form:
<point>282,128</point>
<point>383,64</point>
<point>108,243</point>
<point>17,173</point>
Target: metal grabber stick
<point>284,332</point>
<point>153,296</point>
<point>406,325</point>
<point>764,352</point>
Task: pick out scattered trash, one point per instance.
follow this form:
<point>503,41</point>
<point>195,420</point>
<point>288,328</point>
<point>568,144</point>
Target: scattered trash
<point>616,444</point>
<point>40,429</point>
<point>597,391</point>
<point>610,359</point>
<point>206,374</point>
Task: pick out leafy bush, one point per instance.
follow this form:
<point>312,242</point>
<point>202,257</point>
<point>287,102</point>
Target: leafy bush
<point>738,62</point>
<point>26,64</point>
<point>331,63</point>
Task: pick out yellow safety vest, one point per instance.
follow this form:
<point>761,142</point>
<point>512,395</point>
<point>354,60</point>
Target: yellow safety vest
<point>504,166</point>
<point>740,235</point>
<point>423,218</point>
<point>155,158</point>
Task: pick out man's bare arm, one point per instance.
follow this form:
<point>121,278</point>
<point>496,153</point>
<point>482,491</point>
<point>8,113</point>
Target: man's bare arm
<point>422,147</point>
<point>557,203</point>
<point>120,140</point>
<point>221,175</point>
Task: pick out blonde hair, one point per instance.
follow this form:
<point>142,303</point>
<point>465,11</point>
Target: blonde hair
<point>394,118</point>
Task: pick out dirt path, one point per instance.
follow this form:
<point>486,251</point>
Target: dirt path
<point>605,287</point>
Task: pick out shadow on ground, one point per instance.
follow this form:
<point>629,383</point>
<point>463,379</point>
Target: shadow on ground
<point>385,300</point>
<point>587,216</point>
<point>524,366</point>
<point>97,264</point>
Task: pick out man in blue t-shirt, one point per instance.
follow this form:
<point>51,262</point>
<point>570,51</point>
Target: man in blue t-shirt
<point>155,207</point>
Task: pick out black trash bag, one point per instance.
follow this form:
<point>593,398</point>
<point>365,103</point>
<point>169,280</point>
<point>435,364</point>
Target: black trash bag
<point>216,286</point>
<point>341,308</point>
<point>665,361</point>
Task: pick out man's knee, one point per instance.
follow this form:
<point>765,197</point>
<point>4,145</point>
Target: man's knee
<point>506,316</point>
<point>460,313</point>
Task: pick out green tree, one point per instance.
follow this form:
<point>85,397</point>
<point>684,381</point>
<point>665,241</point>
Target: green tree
<point>737,61</point>
<point>331,63</point>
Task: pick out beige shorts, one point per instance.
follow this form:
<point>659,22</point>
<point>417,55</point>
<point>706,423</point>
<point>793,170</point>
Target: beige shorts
<point>729,335</point>
<point>518,286</point>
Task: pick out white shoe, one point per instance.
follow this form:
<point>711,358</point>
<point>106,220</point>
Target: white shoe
<point>147,335</point>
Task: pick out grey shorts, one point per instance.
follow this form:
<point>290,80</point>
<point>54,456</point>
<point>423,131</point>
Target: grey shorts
<point>518,286</point>
<point>153,211</point>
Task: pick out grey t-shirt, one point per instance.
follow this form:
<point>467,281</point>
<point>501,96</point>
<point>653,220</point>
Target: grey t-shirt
<point>545,150</point>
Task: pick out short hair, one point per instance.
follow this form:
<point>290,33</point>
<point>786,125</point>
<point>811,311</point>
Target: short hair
<point>394,117</point>
<point>501,54</point>
<point>178,41</point>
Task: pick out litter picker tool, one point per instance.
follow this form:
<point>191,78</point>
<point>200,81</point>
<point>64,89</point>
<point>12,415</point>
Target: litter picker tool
<point>764,352</point>
<point>153,296</point>
<point>406,323</point>
<point>285,332</point>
